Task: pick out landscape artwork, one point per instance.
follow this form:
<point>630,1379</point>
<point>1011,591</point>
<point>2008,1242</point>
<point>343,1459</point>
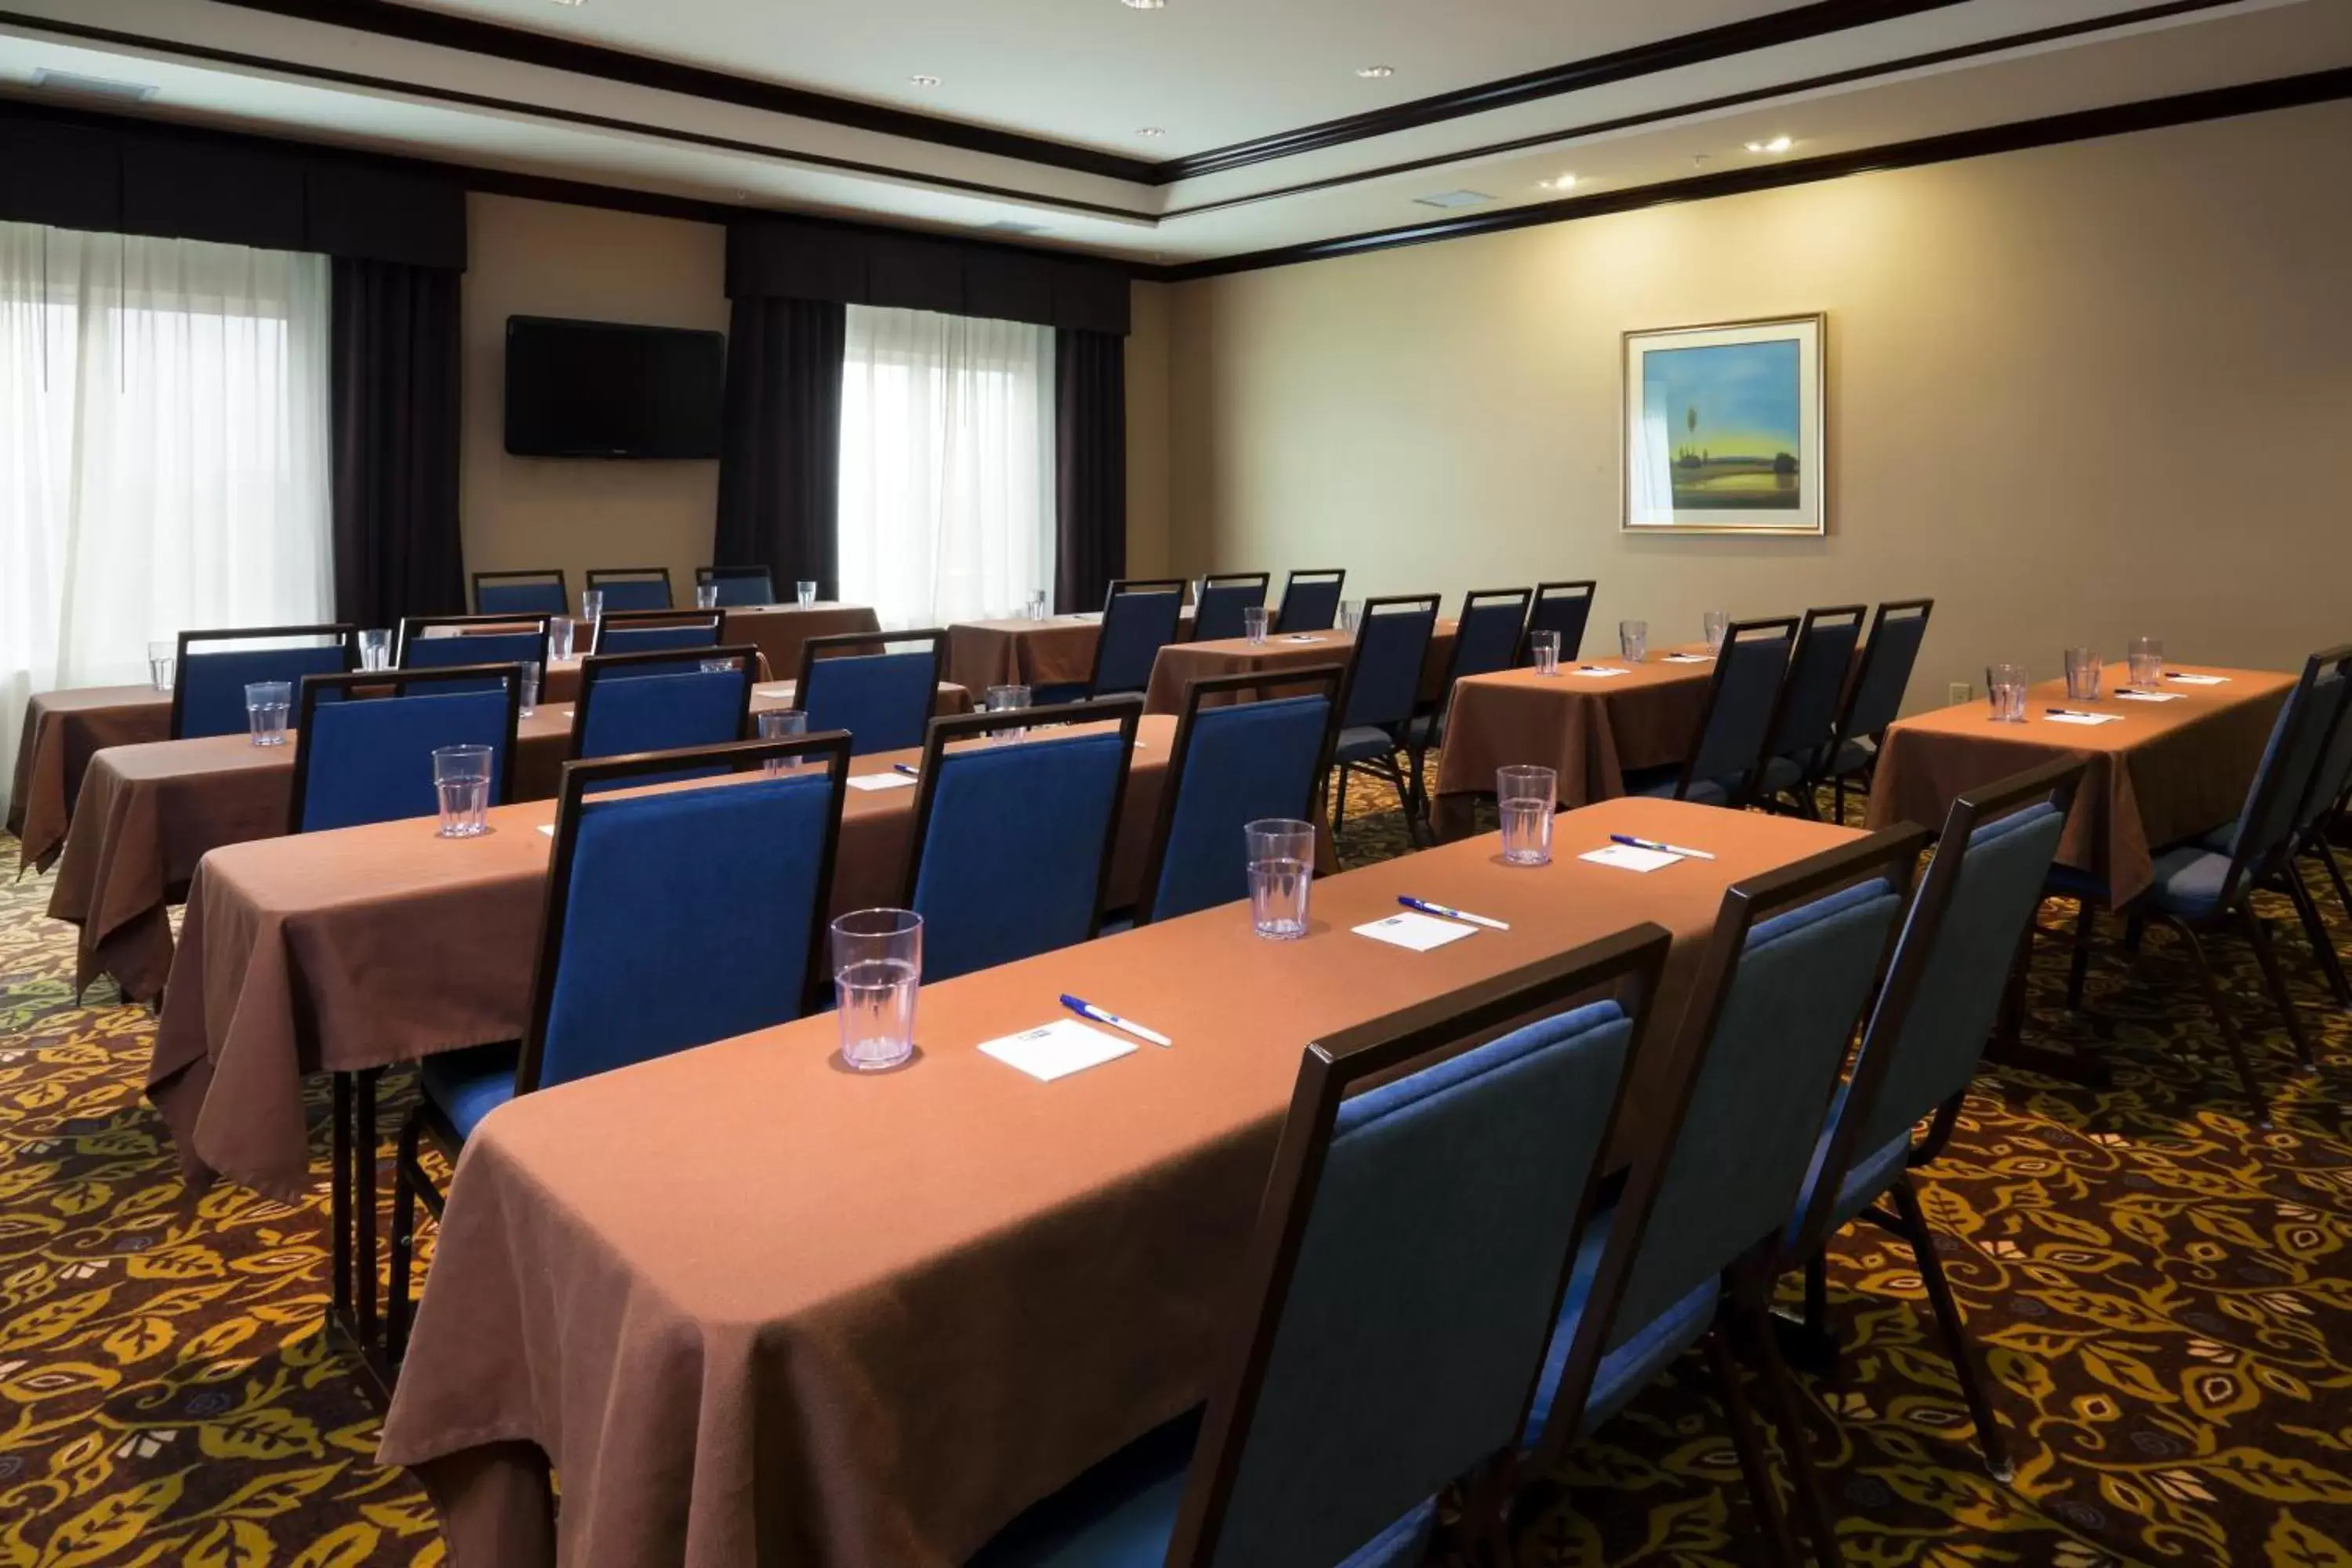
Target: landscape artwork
<point>1724,428</point>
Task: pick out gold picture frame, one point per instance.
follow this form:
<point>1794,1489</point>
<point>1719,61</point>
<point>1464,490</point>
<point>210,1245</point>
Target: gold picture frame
<point>1724,428</point>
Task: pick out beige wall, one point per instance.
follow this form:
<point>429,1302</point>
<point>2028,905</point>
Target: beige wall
<point>2088,392</point>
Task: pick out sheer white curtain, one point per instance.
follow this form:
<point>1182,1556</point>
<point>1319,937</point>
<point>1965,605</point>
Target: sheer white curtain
<point>163,451</point>
<point>947,466</point>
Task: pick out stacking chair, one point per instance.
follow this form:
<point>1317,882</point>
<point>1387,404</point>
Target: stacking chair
<point>1012,841</point>
<point>2323,799</point>
<point>632,587</point>
<point>517,639</point>
<point>1486,640</point>
<point>1217,613</point>
<point>1139,618</point>
<point>1310,600</point>
<point>1963,934</point>
<point>632,702</point>
<point>1430,1184</point>
<point>1805,732</point>
<point>853,682</point>
<point>208,688</point>
<point>1562,607</point>
<point>738,585</point>
<point>1383,687</point>
<point>1687,1254</point>
<point>1873,699</point>
<point>656,631</point>
<point>1742,699</point>
<point>673,920</point>
<point>522,593</point>
<point>361,759</point>
<point>2201,889</point>
<point>1236,760</point>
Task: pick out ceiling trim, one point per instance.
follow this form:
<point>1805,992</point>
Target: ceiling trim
<point>2149,114</point>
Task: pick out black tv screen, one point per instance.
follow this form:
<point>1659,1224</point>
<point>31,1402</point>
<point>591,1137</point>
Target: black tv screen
<point>601,389</point>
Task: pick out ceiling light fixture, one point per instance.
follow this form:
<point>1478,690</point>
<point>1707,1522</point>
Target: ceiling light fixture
<point>924,79</point>
<point>1565,182</point>
<point>1374,73</point>
<point>1143,4</point>
<point>1450,200</point>
<point>572,3</point>
<point>1150,131</point>
<point>1778,144</point>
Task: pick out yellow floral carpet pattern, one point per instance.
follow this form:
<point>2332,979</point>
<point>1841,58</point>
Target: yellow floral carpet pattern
<point>2164,1291</point>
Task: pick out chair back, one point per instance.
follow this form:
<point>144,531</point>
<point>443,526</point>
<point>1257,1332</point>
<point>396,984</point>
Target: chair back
<point>517,639</point>
<point>1812,695</point>
<point>1487,638</point>
<point>1217,611</point>
<point>657,631</point>
<point>522,594</point>
<point>1233,762</point>
<point>632,587</point>
<point>634,702</point>
<point>1562,607</point>
<point>853,681</point>
<point>682,917</point>
<point>1874,700</point>
<point>1384,669</point>
<point>1741,699</point>
<point>2330,780</point>
<point>1429,1186</point>
<point>1012,840</point>
<point>361,759</point>
<point>208,686</point>
<point>738,585</point>
<point>1139,618</point>
<point>1310,600</point>
<point>2299,741</point>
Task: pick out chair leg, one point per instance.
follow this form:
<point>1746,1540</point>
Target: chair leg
<point>1340,807</point>
<point>403,1240</point>
<point>2086,932</point>
<point>2336,875</point>
<point>1973,1380</point>
<point>1405,794</point>
<point>2323,945</point>
<point>1780,1546</point>
<point>1788,1410</point>
<point>2258,933</point>
<point>2219,1006</point>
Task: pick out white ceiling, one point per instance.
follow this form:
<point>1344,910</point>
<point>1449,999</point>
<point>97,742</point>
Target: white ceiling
<point>1212,71</point>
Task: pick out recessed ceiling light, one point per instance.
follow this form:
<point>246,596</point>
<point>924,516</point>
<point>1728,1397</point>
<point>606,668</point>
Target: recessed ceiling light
<point>1778,144</point>
<point>1564,183</point>
<point>1374,73</point>
<point>1450,199</point>
<point>1143,4</point>
<point>1150,131</point>
<point>924,79</point>
<point>570,2</point>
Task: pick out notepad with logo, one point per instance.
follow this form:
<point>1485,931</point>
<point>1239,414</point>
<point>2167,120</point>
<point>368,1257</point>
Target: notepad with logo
<point>1416,933</point>
<point>1627,858</point>
<point>1690,658</point>
<point>2145,696</point>
<point>1057,1049</point>
<point>880,780</point>
<point>1599,671</point>
<point>2083,718</point>
<point>782,689</point>
<point>2200,679</point>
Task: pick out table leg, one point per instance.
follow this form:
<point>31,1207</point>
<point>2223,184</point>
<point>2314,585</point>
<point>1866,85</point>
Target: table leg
<point>2008,1048</point>
<point>338,1214</point>
<point>1454,816</point>
<point>363,1172</point>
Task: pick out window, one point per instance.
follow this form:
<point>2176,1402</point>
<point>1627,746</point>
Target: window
<point>163,451</point>
<point>947,466</point>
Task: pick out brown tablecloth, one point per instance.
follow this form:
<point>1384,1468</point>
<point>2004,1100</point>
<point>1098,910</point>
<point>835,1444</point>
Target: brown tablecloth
<point>758,1309</point>
<point>2165,773</point>
<point>63,729</point>
<point>1180,664</point>
<point>1058,652</point>
<point>379,944</point>
<point>559,680</point>
<point>780,631</point>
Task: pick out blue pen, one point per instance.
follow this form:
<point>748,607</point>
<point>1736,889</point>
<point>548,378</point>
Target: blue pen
<point>908,769</point>
<point>1103,1015</point>
<point>1449,912</point>
<point>1632,843</point>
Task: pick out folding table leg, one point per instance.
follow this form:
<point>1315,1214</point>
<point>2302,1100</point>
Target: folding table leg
<point>363,1170</point>
<point>338,1203</point>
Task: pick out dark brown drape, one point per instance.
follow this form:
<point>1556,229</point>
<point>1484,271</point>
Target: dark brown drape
<point>1089,466</point>
<point>779,453</point>
<point>396,374</point>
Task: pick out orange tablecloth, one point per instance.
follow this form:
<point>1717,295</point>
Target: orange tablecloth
<point>1180,664</point>
<point>63,729</point>
<point>1057,652</point>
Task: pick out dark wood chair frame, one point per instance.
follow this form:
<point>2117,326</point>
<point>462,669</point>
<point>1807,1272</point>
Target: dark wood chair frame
<point>373,685</point>
<point>1265,581</point>
<point>1873,649</point>
<point>1563,589</point>
<point>343,630</point>
<point>557,573</point>
<point>1817,757</point>
<point>638,620</point>
<point>414,627</point>
<point>1775,626</point>
<point>846,645</point>
<point>606,665</point>
<point>600,576</point>
<point>1338,574</point>
<point>1387,769</point>
<point>1121,585</point>
<point>1437,710</point>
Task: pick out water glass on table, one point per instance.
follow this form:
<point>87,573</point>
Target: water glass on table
<point>265,702</point>
<point>1351,616</point>
<point>1544,648</point>
<point>527,698</point>
<point>375,650</point>
<point>1525,797</point>
<point>2146,655</point>
<point>877,970</point>
<point>558,637</point>
<point>1254,623</point>
<point>163,663</point>
<point>2005,687</point>
<point>705,595</point>
<point>780,724</point>
<point>1038,609</point>
<point>1634,640</point>
<point>2083,666</point>
<point>1281,859</point>
<point>592,606</point>
<point>804,594</point>
<point>1008,700</point>
<point>461,777</point>
<point>1715,625</point>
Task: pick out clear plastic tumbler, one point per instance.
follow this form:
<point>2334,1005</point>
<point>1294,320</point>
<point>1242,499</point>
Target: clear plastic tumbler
<point>265,702</point>
<point>1634,640</point>
<point>461,776</point>
<point>878,969</point>
<point>1525,797</point>
<point>1281,859</point>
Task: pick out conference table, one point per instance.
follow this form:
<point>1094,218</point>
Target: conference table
<point>779,631</point>
<point>752,1307</point>
<point>63,730</point>
<point>1182,663</point>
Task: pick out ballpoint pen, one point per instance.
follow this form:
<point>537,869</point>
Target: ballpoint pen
<point>1630,842</point>
<point>1104,1015</point>
<point>908,769</point>
<point>1449,912</point>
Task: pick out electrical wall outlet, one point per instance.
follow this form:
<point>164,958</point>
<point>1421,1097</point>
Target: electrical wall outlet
<point>1961,691</point>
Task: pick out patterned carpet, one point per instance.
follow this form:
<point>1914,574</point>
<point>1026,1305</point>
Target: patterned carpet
<point>2165,1292</point>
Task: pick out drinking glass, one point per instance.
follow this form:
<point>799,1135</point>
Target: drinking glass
<point>1544,646</point>
<point>877,967</point>
<point>1254,623</point>
<point>1525,797</point>
<point>781,724</point>
<point>375,650</point>
<point>163,661</point>
<point>805,594</point>
<point>717,666</point>
<point>1008,700</point>
<point>1351,616</point>
<point>2146,660</point>
<point>705,595</point>
<point>529,704</point>
<point>2005,689</point>
<point>461,776</point>
<point>1714,624</point>
<point>1038,609</point>
<point>591,605</point>
<point>265,702</point>
<point>1634,640</point>
<point>1281,873</point>
<point>2082,675</point>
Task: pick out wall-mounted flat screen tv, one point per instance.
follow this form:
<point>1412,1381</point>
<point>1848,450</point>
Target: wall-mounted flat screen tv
<point>604,389</point>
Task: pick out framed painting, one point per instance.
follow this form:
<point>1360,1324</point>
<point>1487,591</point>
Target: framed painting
<point>1724,429</point>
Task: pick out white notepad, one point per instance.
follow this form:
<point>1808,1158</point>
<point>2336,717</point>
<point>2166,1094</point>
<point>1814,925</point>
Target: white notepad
<point>1627,858</point>
<point>1057,1049</point>
<point>2200,679</point>
<point>548,829</point>
<point>1415,932</point>
<point>880,780</point>
<point>1690,658</point>
<point>2145,696</point>
<point>784,689</point>
<point>1599,671</point>
<point>2083,718</point>
<point>1302,636</point>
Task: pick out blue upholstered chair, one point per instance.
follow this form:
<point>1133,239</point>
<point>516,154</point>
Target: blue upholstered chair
<point>634,702</point>
<point>1407,1266</point>
<point>1562,607</point>
<point>1383,689</point>
<point>1486,640</point>
<point>1964,933</point>
<point>2201,889</point>
<point>879,686</point>
<point>657,631</point>
<point>1687,1254</point>
<point>1217,611</point>
<point>673,920</point>
<point>208,683</point>
<point>738,585</point>
<point>1012,841</point>
<point>2323,805</point>
<point>1233,762</point>
<point>361,759</point>
<point>1811,699</point>
<point>1873,699</point>
<point>1310,600</point>
<point>437,642</point>
<point>522,593</point>
<point>1737,723</point>
<point>1139,618</point>
<point>632,587</point>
